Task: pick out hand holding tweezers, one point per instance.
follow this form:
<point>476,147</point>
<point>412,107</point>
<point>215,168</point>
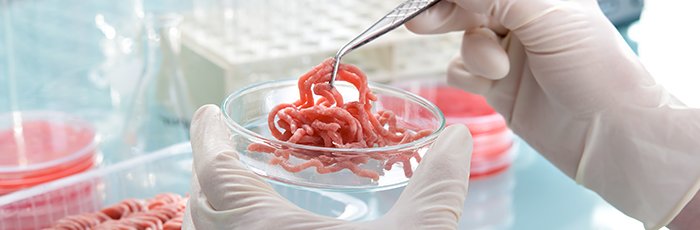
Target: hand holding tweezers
<point>397,17</point>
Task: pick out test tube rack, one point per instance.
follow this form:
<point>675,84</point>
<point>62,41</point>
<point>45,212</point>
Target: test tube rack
<point>236,43</point>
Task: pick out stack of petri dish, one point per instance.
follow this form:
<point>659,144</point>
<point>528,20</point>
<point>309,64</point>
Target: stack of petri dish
<point>494,145</point>
<point>42,146</point>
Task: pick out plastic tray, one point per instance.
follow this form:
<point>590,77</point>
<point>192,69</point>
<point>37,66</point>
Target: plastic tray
<point>167,170</point>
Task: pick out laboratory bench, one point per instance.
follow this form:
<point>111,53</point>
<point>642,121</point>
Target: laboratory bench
<point>530,194</point>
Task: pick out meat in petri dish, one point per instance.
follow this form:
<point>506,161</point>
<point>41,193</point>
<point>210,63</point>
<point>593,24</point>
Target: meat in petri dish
<point>331,122</point>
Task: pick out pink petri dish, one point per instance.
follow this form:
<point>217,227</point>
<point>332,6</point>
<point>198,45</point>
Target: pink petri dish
<point>491,164</point>
<point>41,146</point>
<point>494,146</point>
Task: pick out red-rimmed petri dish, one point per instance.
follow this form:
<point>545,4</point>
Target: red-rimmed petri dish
<point>500,159</point>
<point>494,146</point>
<point>41,146</point>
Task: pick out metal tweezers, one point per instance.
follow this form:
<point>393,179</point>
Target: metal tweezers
<point>397,17</point>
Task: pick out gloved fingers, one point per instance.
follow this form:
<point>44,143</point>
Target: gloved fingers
<point>459,77</point>
<point>445,17</point>
<point>434,197</point>
<point>483,54</point>
<point>496,27</point>
<point>512,14</point>
<point>216,162</point>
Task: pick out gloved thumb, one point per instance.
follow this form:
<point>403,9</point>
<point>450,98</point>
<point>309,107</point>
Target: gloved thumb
<point>226,193</point>
<point>215,160</point>
<point>434,197</point>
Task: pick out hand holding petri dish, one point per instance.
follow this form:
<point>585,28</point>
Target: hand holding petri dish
<point>356,136</point>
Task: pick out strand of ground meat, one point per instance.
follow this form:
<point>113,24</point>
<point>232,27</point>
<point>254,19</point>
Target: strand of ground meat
<point>161,212</point>
<point>332,122</point>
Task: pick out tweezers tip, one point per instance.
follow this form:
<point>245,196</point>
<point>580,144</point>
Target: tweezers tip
<point>335,71</point>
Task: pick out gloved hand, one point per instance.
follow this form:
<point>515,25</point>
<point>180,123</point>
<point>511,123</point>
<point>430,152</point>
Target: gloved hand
<point>568,84</point>
<point>226,195</point>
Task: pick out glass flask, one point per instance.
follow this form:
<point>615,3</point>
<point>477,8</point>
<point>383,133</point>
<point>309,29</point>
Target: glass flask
<point>162,108</point>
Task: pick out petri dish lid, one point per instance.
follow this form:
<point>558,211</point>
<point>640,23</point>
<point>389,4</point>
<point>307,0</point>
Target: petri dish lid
<point>36,143</point>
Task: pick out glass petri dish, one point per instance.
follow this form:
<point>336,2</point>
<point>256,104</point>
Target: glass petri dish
<point>246,112</point>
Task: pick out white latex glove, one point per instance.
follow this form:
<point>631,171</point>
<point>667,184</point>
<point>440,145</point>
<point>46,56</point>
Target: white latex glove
<point>226,195</point>
<point>568,84</point>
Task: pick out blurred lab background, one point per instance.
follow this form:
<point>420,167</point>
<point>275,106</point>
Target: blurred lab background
<point>128,75</point>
